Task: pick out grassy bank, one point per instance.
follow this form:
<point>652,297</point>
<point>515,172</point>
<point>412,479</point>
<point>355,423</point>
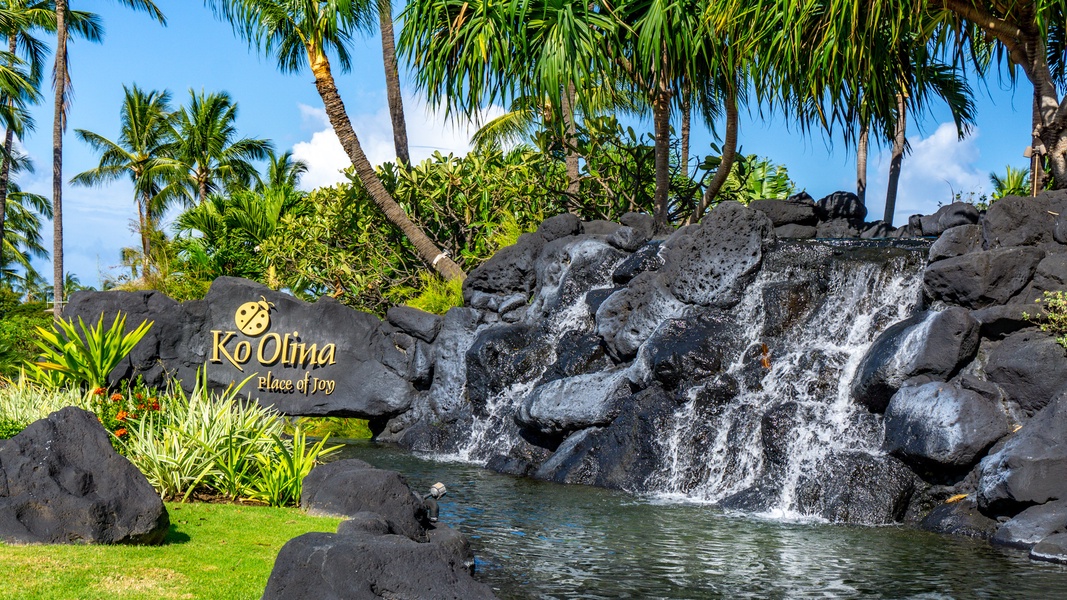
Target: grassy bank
<point>216,551</point>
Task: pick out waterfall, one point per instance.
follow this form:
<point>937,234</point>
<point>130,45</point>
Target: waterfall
<point>711,456</point>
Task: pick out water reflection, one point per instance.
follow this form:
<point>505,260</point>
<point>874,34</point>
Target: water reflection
<point>545,541</point>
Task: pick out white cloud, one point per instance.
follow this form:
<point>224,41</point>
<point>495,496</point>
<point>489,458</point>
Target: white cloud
<point>428,132</point>
<point>938,166</point>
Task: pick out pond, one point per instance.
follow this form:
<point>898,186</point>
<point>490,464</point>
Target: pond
<point>542,540</point>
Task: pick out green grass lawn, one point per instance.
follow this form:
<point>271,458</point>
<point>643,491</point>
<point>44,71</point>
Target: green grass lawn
<point>214,551</point>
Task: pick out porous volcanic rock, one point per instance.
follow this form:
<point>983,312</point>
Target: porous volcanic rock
<point>961,518</point>
<point>979,279</point>
<point>956,241</point>
<point>1019,221</point>
<point>1030,366</point>
<point>61,482</point>
<point>856,487</point>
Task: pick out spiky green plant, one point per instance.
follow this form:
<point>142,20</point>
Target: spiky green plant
<point>85,358</point>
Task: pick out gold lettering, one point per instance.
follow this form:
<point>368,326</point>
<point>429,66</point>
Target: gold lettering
<point>328,356</point>
<point>263,360</point>
<point>242,352</point>
<point>304,354</point>
<point>219,347</point>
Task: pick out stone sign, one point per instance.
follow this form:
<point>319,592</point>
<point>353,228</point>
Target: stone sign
<point>302,358</point>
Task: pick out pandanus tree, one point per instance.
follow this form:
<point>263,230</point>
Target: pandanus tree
<point>64,23</point>
<point>143,153</point>
<point>305,33</point>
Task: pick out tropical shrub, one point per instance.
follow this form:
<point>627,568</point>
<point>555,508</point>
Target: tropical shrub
<point>18,324</point>
<point>10,428</point>
<point>23,402</point>
<point>1053,319</point>
<point>219,444</point>
<point>86,358</point>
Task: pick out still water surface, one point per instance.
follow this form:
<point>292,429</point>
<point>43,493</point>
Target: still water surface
<point>542,540</point>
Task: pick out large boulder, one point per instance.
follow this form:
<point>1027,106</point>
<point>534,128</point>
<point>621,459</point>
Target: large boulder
<point>856,487</point>
<point>362,566</point>
<point>684,351</point>
<point>956,241</point>
<point>932,344</point>
<point>1030,366</point>
<point>841,205</point>
<point>961,518</point>
<point>1030,466</point>
<point>979,279</point>
<point>1021,221</point>
<point>1033,525</point>
<point>350,487</point>
<point>621,455</point>
<point>565,405</point>
<point>711,264</point>
<point>941,428</point>
<point>62,482</point>
<point>627,318</point>
<point>795,210</point>
<point>567,269</point>
<point>502,356</point>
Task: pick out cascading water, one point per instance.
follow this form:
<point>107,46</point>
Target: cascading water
<point>809,370</point>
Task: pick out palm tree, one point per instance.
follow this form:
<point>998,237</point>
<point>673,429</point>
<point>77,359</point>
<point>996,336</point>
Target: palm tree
<point>22,238</point>
<point>392,82</point>
<point>141,153</point>
<point>208,143</point>
<point>1014,182</point>
<point>59,124</point>
<point>302,33</point>
<point>282,171</point>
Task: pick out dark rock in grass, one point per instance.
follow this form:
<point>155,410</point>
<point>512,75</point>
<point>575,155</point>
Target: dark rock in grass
<point>1051,549</point>
<point>1033,525</point>
<point>956,241</point>
<point>855,487</point>
<point>795,210</point>
<point>62,482</point>
<point>1030,366</point>
<point>941,428</point>
<point>933,344</point>
<point>980,279</point>
<point>622,455</point>
<point>329,566</point>
<point>418,323</point>
<point>349,487</point>
<point>961,518</point>
<point>1030,466</point>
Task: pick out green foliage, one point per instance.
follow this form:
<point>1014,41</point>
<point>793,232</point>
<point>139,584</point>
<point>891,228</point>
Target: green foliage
<point>434,295</point>
<point>10,428</point>
<point>356,429</point>
<point>23,402</point>
<point>1013,182</point>
<point>216,551</point>
<point>1053,317</point>
<point>219,444</point>
<point>86,358</point>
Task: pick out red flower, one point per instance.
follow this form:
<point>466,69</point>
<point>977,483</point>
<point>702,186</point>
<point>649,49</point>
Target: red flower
<point>121,431</point>
<point>116,397</point>
<point>121,416</point>
<point>138,396</point>
<point>155,405</point>
<point>99,391</point>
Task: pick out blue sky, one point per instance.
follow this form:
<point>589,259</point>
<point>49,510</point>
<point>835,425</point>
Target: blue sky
<point>195,51</point>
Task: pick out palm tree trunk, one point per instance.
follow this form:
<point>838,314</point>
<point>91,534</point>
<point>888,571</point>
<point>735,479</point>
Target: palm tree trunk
<point>729,154</point>
<point>686,128</point>
<point>661,118</point>
<point>335,110</point>
<point>1037,170</point>
<point>570,153</point>
<point>861,163</point>
<point>144,229</point>
<point>392,82</point>
<point>895,161</point>
<point>5,167</point>
<point>58,125</point>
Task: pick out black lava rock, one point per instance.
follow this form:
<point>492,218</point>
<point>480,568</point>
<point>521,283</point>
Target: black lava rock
<point>961,518</point>
<point>855,487</point>
<point>350,487</point>
<point>980,279</point>
<point>1033,525</point>
<point>61,482</point>
<point>1030,366</point>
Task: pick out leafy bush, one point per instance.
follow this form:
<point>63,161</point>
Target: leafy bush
<point>1054,316</point>
<point>86,358</point>
<point>219,444</point>
<point>10,428</point>
<point>434,295</point>
<point>23,402</point>
<point>356,429</point>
